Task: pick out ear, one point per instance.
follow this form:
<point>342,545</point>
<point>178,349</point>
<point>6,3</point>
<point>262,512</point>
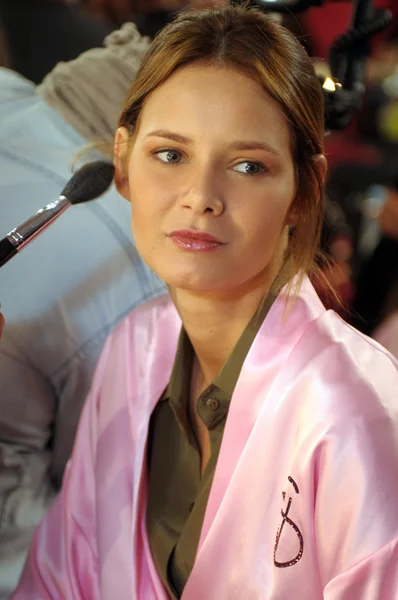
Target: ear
<point>120,161</point>
<point>293,214</point>
<point>321,167</point>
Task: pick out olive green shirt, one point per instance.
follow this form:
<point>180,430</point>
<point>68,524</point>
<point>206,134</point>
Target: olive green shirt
<point>178,494</point>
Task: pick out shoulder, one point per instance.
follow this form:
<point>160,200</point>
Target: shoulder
<point>137,359</point>
<point>343,350</point>
<point>147,315</point>
<point>335,348</point>
<point>344,373</point>
<point>343,391</point>
<point>152,327</point>
<point>147,323</point>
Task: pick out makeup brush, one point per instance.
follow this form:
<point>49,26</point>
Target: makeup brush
<point>89,182</point>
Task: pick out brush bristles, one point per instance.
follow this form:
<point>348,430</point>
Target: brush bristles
<point>89,182</point>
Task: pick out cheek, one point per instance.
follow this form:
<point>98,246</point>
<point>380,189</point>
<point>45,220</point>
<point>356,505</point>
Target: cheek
<point>142,213</point>
<point>267,223</point>
<point>147,190</point>
<point>148,215</point>
<point>143,197</point>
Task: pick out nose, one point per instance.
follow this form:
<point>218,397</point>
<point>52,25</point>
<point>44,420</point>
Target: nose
<point>203,194</point>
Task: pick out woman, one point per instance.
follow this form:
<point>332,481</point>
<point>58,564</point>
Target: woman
<point>263,464</point>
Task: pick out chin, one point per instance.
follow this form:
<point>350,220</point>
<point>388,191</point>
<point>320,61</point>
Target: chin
<point>183,279</point>
<point>190,285</point>
<point>197,283</point>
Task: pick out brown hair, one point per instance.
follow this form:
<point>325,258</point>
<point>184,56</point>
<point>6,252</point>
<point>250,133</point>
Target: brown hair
<point>252,42</point>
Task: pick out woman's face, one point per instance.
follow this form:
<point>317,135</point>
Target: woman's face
<point>211,180</point>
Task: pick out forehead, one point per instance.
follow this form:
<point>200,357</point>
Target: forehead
<point>216,101</point>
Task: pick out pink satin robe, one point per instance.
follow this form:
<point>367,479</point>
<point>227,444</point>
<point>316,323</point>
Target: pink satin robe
<point>316,402</point>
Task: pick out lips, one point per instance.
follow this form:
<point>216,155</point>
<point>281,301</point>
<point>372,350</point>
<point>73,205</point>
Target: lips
<point>199,241</point>
<point>193,234</point>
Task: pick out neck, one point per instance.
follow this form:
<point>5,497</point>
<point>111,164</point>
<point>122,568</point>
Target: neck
<point>214,324</point>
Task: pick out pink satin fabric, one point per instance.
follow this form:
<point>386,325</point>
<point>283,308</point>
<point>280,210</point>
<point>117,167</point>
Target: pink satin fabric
<point>310,449</point>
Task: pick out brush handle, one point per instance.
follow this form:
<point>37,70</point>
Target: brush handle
<point>7,251</point>
<point>25,233</point>
<point>31,228</point>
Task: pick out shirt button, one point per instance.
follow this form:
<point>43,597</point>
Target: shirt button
<point>213,404</point>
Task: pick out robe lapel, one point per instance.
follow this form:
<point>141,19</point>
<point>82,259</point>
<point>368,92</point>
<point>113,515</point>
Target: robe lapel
<point>276,338</point>
<point>155,347</point>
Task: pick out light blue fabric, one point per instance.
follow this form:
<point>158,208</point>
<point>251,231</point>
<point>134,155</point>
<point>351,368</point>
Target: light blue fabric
<point>60,297</point>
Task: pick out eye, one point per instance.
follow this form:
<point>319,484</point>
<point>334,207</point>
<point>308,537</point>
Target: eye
<point>249,167</point>
<point>169,156</point>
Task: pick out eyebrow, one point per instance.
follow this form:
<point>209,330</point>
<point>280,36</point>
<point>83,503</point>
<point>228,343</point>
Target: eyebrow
<point>238,145</point>
<point>243,145</point>
<point>176,137</point>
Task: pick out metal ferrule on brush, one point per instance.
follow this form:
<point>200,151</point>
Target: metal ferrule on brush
<point>25,233</point>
